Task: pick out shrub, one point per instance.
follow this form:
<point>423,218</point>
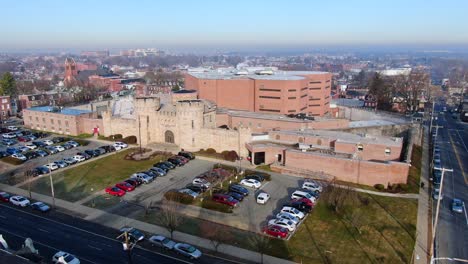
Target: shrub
<point>130,140</point>
<point>84,135</point>
<point>226,167</point>
<point>117,136</point>
<point>178,197</point>
<point>210,151</point>
<point>12,161</point>
<point>82,142</point>
<point>265,175</point>
<point>230,155</point>
<point>404,187</point>
<point>212,205</point>
<point>379,187</point>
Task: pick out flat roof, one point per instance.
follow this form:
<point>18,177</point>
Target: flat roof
<point>63,111</point>
<point>345,137</point>
<point>257,115</point>
<point>234,74</point>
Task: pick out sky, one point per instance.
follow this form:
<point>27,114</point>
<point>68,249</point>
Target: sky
<point>229,24</point>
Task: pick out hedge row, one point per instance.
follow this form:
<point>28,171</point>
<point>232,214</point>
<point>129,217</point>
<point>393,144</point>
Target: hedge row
<point>178,197</point>
<point>119,137</point>
<point>212,205</point>
<point>265,175</point>
<point>12,161</point>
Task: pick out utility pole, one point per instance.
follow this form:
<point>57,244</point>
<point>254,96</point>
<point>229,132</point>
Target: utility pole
<point>51,185</point>
<point>139,132</point>
<point>434,228</point>
<point>127,246</point>
<point>432,115</point>
<point>239,154</point>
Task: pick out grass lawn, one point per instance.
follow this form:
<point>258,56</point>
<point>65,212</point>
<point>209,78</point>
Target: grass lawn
<point>371,229</point>
<point>264,167</point>
<point>103,201</point>
<point>76,183</point>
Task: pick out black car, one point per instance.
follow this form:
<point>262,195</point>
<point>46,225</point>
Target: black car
<point>301,206</point>
<point>3,154</point>
<point>27,132</point>
<point>31,155</point>
<point>101,151</point>
<point>41,153</point>
<point>85,155</point>
<point>168,164</point>
<point>66,146</point>
<point>238,189</point>
<point>108,148</point>
<point>41,170</point>
<point>150,173</point>
<point>134,182</point>
<point>58,140</point>
<point>162,166</point>
<point>239,197</point>
<point>187,155</point>
<point>196,188</point>
<point>257,177</point>
<point>91,152</point>
<point>175,161</point>
<point>39,144</point>
<point>40,134</point>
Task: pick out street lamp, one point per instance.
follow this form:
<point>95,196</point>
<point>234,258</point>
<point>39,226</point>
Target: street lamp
<point>128,245</point>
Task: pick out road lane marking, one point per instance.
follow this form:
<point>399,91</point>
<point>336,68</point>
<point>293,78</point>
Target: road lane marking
<point>100,249</point>
<point>4,217</point>
<point>463,142</point>
<point>466,217</point>
<point>44,245</point>
<point>460,163</point>
<point>42,230</point>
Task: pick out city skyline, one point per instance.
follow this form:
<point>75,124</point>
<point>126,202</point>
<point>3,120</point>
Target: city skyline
<point>231,26</point>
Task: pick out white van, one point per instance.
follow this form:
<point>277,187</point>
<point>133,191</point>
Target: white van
<point>301,194</point>
<point>312,186</point>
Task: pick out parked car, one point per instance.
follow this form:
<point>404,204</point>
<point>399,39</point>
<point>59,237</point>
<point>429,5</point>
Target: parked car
<point>51,149</point>
<point>159,171</point>
<point>225,199</point>
<point>301,206</point>
<point>201,182</point>
<point>41,170</point>
<point>108,148</point>
<point>162,241</point>
<point>175,161</point>
<point>187,250</point>
<point>70,161</point>
<point>182,159</point>
<point>91,152</point>
<point>276,231</point>
<point>263,198</point>
<point>189,192</point>
<point>13,150</point>
<point>283,223</point>
<point>67,146</point>
<point>125,186</point>
<point>48,142</point>
<point>238,189</point>
<point>239,197</point>
<point>256,177</point>
<point>39,144</point>
<point>133,233</point>
<point>115,191</point>
<point>196,188</point>
<point>312,186</point>
<point>302,194</point>
<point>58,139</point>
<point>61,163</point>
<point>9,135</point>
<point>169,164</point>
<point>9,142</point>
<point>293,211</point>
<point>288,216</point>
<point>437,195</point>
<point>145,178</point>
<point>119,145</point>
<point>79,158</point>
<point>304,200</point>
<point>84,155</point>
<point>23,139</point>
<point>52,166</point>
<point>457,205</point>
<point>23,148</point>
<point>31,146</point>
<point>65,258</point>
<point>41,153</point>
<point>5,197</point>
<point>73,143</point>
<point>134,182</point>
<point>186,154</point>
<point>101,151</point>
<point>251,183</point>
<point>162,166</point>
<point>12,128</point>
<point>3,154</point>
<point>19,201</point>
<point>40,206</point>
<point>59,148</point>
<point>151,173</point>
<point>19,156</point>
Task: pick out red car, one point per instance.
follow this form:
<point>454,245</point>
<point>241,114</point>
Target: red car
<point>225,199</point>
<point>5,197</point>
<point>304,201</point>
<point>183,159</point>
<point>276,231</point>
<point>125,186</point>
<point>23,139</point>
<point>115,191</point>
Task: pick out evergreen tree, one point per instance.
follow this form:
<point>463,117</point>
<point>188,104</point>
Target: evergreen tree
<point>8,85</point>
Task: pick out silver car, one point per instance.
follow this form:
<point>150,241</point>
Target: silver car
<point>187,250</point>
<point>162,241</point>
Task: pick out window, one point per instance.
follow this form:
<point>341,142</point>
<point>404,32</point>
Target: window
<point>304,95</point>
<point>304,108</point>
<point>314,82</point>
<point>193,124</point>
<point>250,124</point>
<point>59,122</point>
<point>30,118</point>
<point>291,90</point>
<point>315,88</point>
<point>301,140</point>
<point>66,124</point>
<point>388,151</point>
<point>259,125</point>
<point>319,142</point>
<point>270,97</point>
<point>314,99</point>
<point>314,105</point>
<point>270,110</point>
<point>360,147</point>
<point>37,119</point>
<point>43,119</point>
<point>270,90</point>
<point>51,121</point>
<point>277,137</point>
<point>292,97</point>
<point>291,111</point>
<point>303,89</point>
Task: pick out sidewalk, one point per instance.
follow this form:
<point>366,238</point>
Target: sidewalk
<point>421,250</point>
<point>396,195</point>
<point>116,222</point>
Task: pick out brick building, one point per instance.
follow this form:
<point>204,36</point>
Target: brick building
<point>5,105</point>
<point>264,90</point>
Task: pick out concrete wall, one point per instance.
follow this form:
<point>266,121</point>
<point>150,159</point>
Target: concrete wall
<point>351,170</point>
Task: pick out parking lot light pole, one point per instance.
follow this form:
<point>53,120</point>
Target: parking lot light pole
<point>51,185</point>
<point>439,197</point>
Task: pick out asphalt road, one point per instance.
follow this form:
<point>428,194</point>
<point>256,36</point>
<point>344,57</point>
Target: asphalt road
<point>452,233</point>
<point>90,242</point>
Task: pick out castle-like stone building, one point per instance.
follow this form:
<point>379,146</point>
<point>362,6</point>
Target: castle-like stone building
<point>189,124</point>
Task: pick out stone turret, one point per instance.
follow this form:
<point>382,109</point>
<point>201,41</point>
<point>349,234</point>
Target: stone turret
<point>147,105</point>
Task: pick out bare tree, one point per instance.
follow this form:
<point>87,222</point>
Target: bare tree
<point>169,217</point>
<point>337,195</point>
<point>261,244</point>
<point>216,233</point>
<point>28,174</point>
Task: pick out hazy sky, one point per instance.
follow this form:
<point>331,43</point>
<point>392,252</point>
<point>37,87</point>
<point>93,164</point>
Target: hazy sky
<point>86,24</point>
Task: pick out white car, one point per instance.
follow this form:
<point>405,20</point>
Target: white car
<point>292,211</point>
<point>119,145</point>
<point>73,143</point>
<point>251,183</point>
<point>143,177</point>
<point>263,198</point>
<point>12,128</point>
<point>9,135</point>
<point>301,194</point>
<point>19,156</point>
<point>59,148</point>
<point>24,148</point>
<point>288,224</point>
<point>52,166</point>
<point>201,182</point>
<point>19,201</point>
<point>65,258</point>
<point>288,216</point>
<point>162,241</point>
<point>312,186</point>
<point>31,146</point>
<point>79,158</point>
<point>48,142</point>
